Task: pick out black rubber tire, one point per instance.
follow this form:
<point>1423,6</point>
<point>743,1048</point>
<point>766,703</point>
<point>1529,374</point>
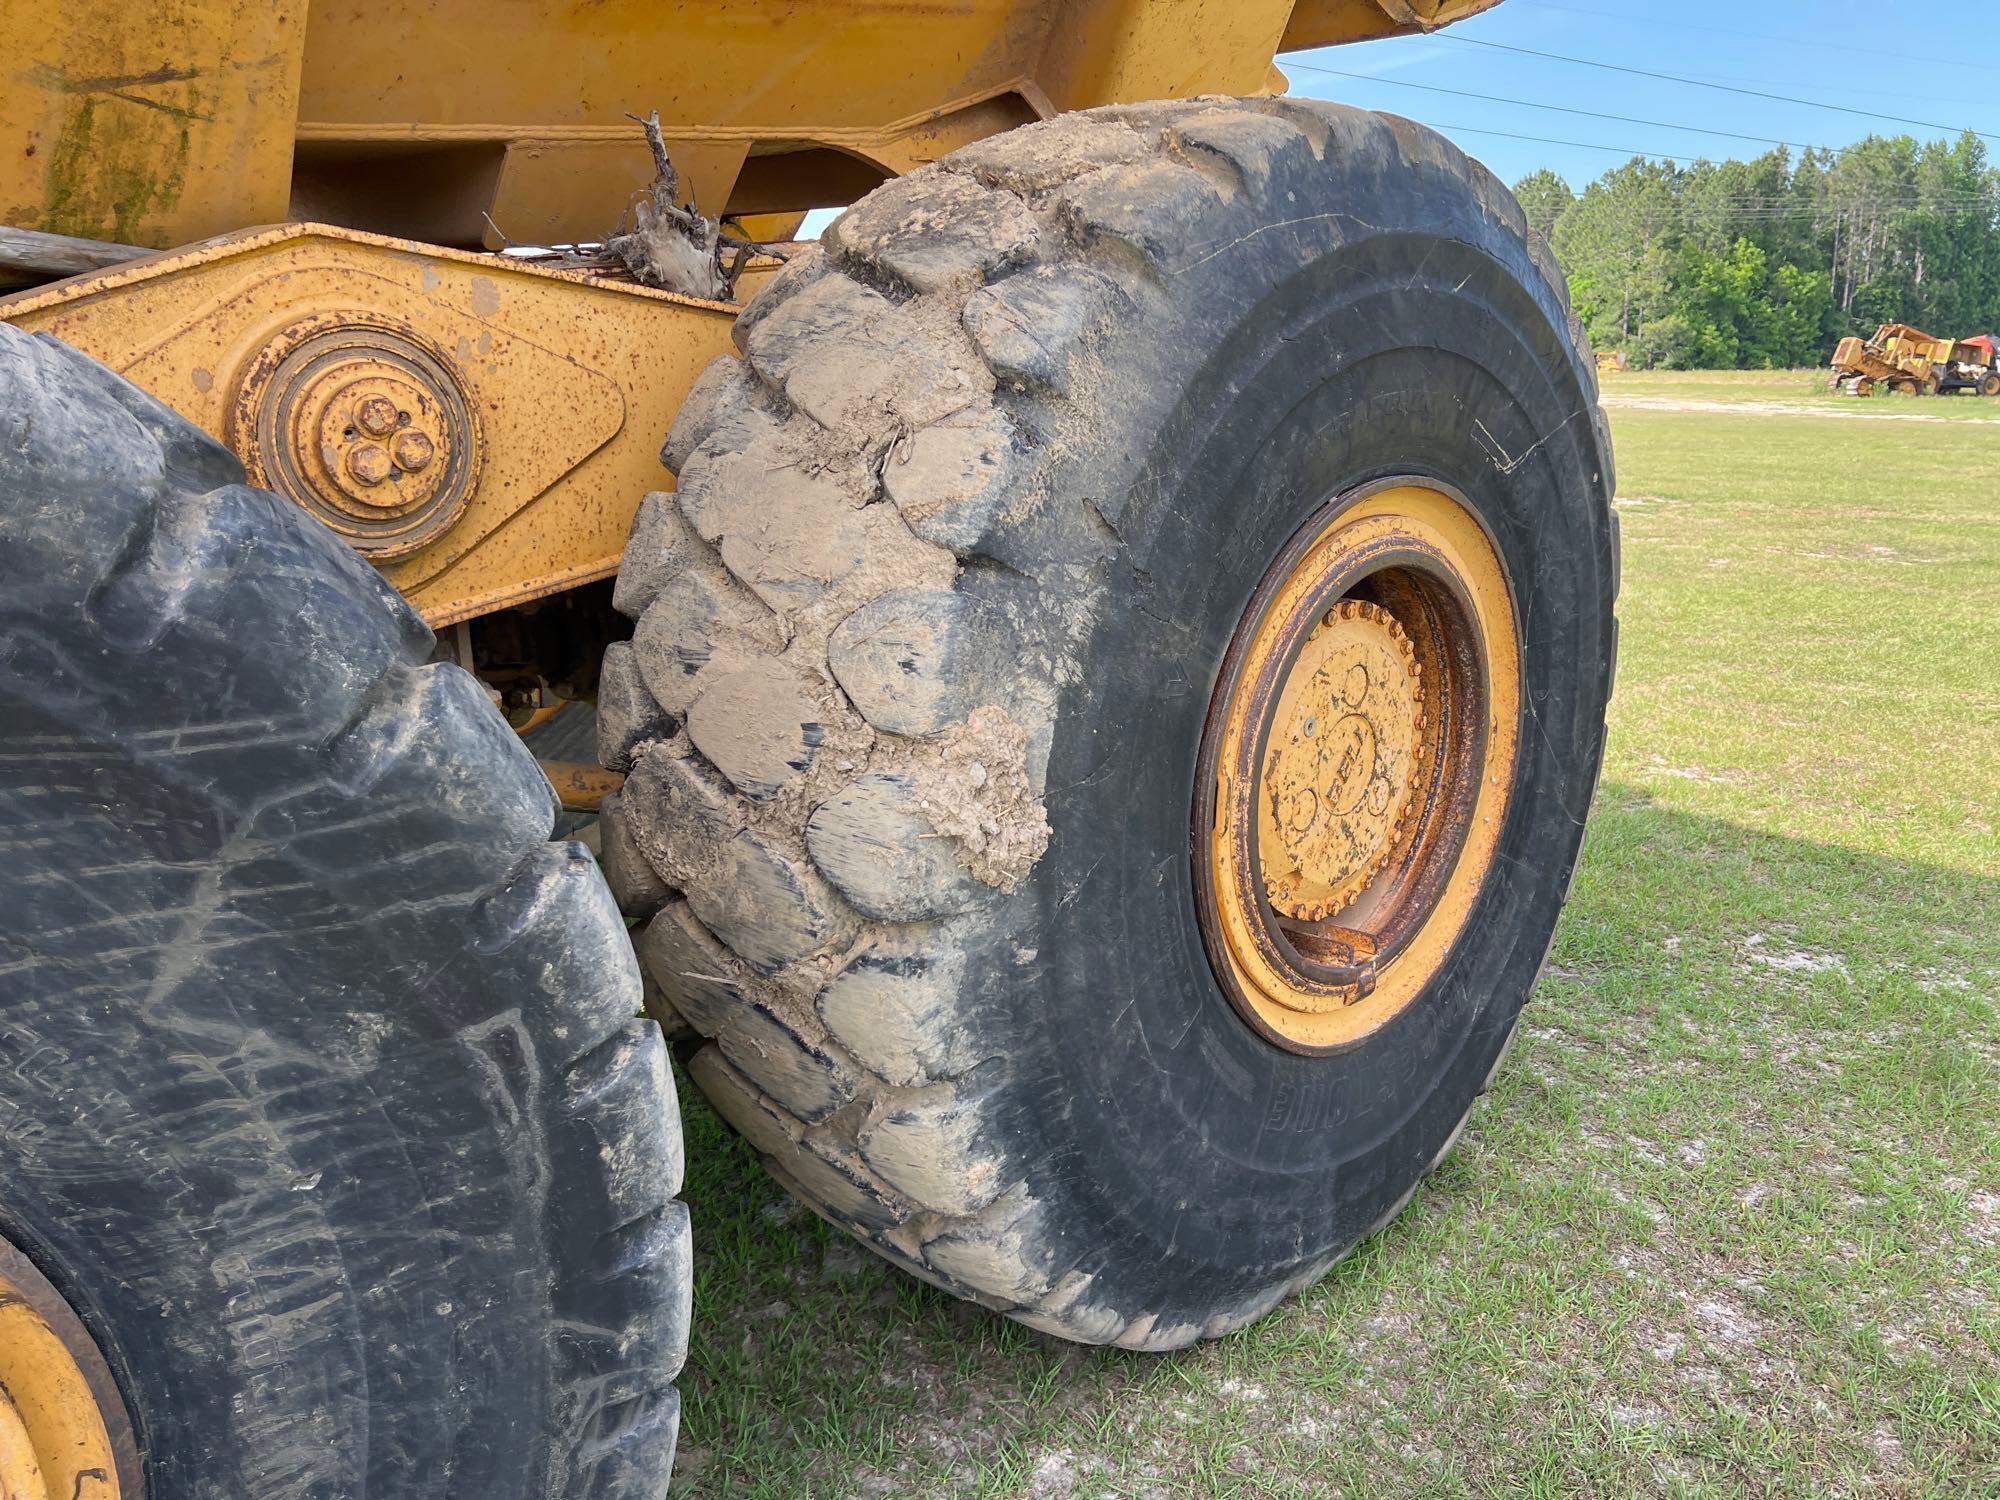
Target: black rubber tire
<point>925,643</point>
<point>322,1096</point>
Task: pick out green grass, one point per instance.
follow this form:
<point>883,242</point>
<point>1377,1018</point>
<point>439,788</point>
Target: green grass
<point>1730,1221</point>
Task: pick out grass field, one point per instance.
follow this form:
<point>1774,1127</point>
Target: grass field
<point>1730,1221</point>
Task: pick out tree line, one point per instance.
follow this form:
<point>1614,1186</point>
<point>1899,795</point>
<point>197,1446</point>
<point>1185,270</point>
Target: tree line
<point>1767,263</point>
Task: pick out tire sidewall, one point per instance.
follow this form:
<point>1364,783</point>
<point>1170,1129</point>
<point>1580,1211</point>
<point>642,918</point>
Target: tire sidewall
<point>1216,1158</point>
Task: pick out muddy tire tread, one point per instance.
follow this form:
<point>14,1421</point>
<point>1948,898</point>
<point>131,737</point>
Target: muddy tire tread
<point>1097,206</point>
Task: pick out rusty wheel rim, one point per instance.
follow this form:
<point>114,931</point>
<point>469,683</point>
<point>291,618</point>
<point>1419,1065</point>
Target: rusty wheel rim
<point>1357,764</point>
<point>64,1433</point>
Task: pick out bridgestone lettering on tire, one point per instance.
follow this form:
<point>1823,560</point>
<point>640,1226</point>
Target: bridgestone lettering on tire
<point>322,1099</point>
<point>960,542</point>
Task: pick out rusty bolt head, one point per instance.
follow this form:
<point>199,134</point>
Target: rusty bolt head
<point>368,463</point>
<point>413,450</point>
<point>376,416</point>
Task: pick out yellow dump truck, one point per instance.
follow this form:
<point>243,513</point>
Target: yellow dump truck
<point>1079,739</point>
<point>1910,362</point>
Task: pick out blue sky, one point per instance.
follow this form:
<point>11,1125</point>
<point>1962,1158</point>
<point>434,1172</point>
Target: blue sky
<point>1938,62</point>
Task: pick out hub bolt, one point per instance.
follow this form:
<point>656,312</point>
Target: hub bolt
<point>413,451</point>
<point>376,416</point>
<point>368,463</point>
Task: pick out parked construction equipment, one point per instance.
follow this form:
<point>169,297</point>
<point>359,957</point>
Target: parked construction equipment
<point>1909,361</point>
<point>1097,699</point>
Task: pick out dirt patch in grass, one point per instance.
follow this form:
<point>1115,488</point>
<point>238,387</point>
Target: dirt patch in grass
<point>1866,411</point>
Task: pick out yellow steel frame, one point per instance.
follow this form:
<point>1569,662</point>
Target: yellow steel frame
<point>575,382</point>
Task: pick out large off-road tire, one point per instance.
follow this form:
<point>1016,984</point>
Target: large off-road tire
<point>927,645</point>
<point>322,1097</point>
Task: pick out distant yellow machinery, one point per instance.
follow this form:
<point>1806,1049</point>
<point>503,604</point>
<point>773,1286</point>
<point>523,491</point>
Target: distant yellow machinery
<point>1911,362</point>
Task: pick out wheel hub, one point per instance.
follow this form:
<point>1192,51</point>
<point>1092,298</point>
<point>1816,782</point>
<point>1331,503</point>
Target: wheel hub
<point>1356,764</point>
<point>63,1429</point>
<point>371,438</point>
<point>1345,743</point>
<point>365,426</point>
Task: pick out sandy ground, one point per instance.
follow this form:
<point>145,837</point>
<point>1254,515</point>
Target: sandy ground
<point>1859,412</point>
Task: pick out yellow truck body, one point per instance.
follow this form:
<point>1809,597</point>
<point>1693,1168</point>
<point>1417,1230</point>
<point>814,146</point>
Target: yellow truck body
<point>299,165</point>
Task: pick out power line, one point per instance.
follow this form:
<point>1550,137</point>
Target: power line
<point>1543,140</point>
<point>1754,36</point>
<point>1561,109</point>
<point>1726,88</point>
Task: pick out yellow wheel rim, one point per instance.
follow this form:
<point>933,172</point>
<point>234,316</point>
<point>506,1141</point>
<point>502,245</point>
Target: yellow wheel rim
<point>63,1431</point>
<point>1357,764</point>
